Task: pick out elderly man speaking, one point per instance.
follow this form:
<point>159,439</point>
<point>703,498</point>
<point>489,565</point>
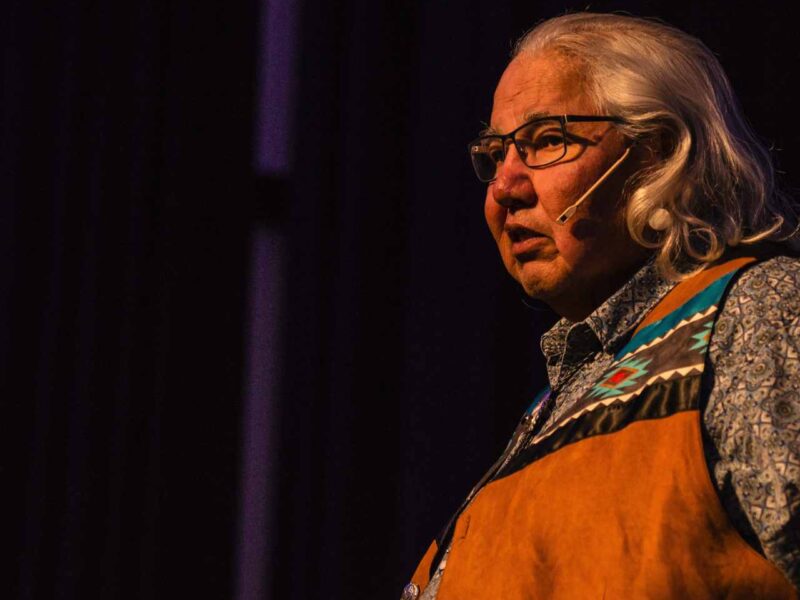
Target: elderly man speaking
<point>625,190</point>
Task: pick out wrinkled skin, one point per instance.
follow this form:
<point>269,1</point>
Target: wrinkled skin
<point>572,267</point>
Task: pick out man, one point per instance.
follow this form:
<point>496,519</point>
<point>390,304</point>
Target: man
<point>625,190</point>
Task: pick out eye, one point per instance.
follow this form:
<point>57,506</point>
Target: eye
<point>493,149</point>
<point>548,141</point>
<point>496,154</point>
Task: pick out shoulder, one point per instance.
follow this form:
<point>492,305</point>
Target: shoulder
<point>762,305</point>
<point>754,354</point>
<point>774,279</point>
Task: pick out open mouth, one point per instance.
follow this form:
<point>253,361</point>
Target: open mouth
<point>518,233</point>
<point>525,241</point>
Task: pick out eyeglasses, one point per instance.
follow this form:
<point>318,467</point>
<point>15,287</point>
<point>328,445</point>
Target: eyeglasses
<point>539,143</point>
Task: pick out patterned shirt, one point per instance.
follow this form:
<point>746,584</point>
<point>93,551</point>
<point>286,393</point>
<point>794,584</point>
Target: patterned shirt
<point>751,388</point>
<point>751,392</point>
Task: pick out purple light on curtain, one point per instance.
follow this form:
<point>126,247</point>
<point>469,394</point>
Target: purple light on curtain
<point>276,87</point>
<point>271,158</point>
<point>256,510</point>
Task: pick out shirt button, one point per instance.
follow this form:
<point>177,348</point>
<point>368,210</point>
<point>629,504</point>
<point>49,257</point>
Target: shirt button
<point>410,592</point>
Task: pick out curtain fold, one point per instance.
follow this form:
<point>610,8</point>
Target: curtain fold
<point>125,214</point>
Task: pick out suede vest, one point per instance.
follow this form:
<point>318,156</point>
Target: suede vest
<point>615,499</point>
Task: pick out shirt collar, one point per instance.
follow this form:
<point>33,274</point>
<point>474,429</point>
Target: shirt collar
<point>567,345</point>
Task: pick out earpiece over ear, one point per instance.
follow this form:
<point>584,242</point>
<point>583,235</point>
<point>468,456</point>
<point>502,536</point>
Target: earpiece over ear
<point>660,220</point>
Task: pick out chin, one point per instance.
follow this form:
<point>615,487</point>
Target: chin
<point>538,281</point>
<point>540,292</point>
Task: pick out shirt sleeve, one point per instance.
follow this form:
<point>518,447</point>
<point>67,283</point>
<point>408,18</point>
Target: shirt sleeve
<point>752,416</point>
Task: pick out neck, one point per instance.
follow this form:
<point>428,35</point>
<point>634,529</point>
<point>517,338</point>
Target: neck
<point>575,307</point>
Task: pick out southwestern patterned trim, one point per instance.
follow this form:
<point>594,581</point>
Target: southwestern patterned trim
<point>704,317</point>
<point>640,383</point>
<point>663,399</point>
<point>648,364</point>
<point>699,304</point>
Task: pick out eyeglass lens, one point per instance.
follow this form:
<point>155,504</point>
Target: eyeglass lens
<point>539,143</point>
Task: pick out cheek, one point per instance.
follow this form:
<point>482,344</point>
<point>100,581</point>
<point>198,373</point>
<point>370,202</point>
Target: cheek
<point>585,239</point>
<point>570,249</point>
<point>588,244</point>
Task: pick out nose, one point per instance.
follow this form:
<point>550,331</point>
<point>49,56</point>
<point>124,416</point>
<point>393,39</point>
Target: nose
<point>513,186</point>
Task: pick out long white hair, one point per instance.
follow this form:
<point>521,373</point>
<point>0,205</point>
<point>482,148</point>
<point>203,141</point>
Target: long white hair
<point>716,179</point>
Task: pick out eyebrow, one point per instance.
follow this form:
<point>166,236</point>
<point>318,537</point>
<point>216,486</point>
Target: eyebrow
<point>488,130</point>
<point>528,116</point>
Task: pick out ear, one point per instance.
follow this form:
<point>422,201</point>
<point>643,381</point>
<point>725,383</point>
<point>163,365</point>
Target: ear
<point>661,144</point>
<point>653,149</point>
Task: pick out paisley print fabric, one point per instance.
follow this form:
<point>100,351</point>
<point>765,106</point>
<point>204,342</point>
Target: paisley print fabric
<point>752,417</point>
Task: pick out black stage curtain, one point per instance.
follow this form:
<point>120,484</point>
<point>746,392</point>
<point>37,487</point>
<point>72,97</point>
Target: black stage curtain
<point>126,191</point>
<point>408,354</point>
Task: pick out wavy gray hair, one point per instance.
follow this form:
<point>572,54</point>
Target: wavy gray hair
<point>716,179</point>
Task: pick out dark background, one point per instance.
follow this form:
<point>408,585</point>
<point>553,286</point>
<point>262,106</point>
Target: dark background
<point>131,205</point>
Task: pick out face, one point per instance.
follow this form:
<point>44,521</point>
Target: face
<point>572,267</point>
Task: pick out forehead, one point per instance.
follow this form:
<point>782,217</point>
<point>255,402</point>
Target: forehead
<point>545,84</point>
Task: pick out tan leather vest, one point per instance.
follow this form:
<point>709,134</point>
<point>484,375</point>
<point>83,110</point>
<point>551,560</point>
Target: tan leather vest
<point>614,500</point>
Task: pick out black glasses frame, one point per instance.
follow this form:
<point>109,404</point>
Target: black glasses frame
<point>506,137</point>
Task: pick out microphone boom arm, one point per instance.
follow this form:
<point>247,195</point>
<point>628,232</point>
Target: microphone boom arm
<point>570,210</point>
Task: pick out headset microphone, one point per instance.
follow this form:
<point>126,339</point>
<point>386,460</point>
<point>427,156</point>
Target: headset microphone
<point>570,211</point>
